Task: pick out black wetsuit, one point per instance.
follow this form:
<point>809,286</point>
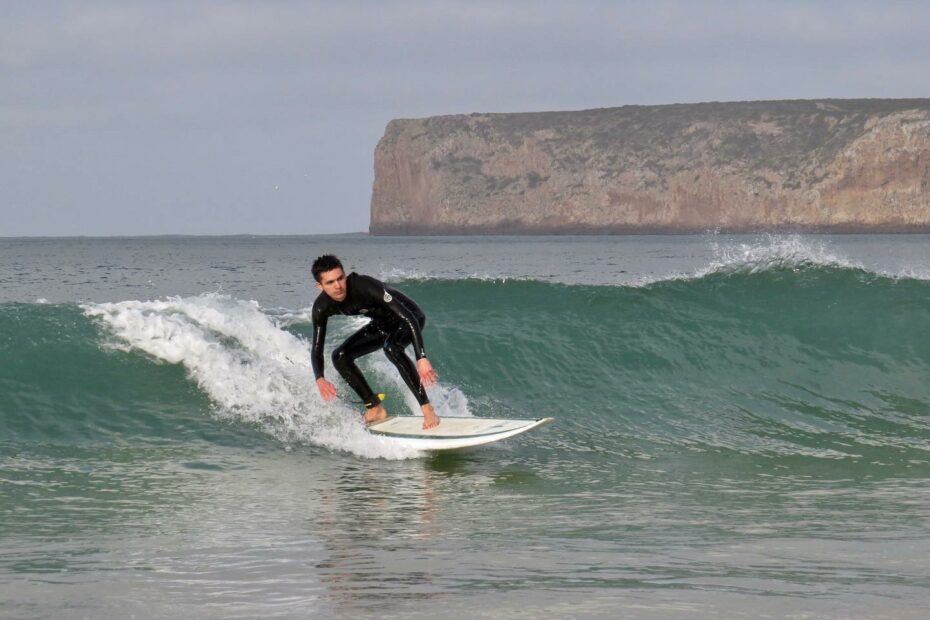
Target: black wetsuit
<point>396,322</point>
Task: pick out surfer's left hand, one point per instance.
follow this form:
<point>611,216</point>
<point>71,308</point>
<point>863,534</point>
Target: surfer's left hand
<point>428,376</point>
<point>327,389</point>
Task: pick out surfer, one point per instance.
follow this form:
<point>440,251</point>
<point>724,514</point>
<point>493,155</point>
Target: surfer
<point>396,322</point>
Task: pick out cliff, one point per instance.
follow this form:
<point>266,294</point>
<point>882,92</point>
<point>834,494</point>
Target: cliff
<point>827,165</point>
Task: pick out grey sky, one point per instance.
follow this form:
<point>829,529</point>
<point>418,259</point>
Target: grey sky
<point>190,117</point>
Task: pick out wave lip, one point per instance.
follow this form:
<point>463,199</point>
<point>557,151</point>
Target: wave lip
<point>622,266</point>
<point>761,254</point>
<point>775,252</point>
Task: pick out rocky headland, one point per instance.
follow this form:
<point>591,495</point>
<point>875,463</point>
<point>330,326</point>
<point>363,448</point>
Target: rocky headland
<point>806,166</point>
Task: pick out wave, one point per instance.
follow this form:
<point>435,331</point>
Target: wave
<point>769,355</point>
<point>793,358</point>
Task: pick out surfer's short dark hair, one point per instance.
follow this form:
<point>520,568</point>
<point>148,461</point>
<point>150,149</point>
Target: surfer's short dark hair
<point>325,263</point>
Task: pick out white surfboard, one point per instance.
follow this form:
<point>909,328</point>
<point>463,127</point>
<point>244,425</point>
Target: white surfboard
<point>452,433</point>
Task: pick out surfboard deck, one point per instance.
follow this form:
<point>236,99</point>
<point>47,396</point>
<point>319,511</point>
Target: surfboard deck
<point>452,433</point>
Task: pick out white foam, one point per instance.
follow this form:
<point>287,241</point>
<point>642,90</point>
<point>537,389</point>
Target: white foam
<point>287,318</point>
<point>255,372</point>
<point>908,273</point>
<point>396,274</point>
<point>793,251</point>
<point>760,254</point>
<point>773,252</point>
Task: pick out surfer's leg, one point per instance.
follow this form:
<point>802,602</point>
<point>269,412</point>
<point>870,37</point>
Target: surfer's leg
<point>366,340</point>
<point>394,350</point>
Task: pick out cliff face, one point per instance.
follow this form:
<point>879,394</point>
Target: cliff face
<point>829,165</point>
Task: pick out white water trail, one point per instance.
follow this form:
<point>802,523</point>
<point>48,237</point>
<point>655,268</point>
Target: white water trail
<point>255,372</point>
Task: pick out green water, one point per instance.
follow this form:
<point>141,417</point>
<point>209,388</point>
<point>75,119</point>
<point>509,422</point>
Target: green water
<point>743,428</point>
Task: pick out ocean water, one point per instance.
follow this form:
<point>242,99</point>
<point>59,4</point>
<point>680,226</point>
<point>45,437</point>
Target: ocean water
<point>742,430</point>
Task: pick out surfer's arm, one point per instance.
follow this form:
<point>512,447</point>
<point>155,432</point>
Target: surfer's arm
<point>327,389</point>
<point>319,337</point>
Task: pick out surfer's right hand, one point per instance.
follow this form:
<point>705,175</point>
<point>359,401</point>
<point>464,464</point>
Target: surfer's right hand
<point>428,376</point>
<point>327,389</point>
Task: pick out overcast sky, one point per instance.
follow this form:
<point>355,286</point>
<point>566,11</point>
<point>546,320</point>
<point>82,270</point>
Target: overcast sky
<point>160,117</point>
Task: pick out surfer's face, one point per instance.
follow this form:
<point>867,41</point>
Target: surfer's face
<point>333,283</point>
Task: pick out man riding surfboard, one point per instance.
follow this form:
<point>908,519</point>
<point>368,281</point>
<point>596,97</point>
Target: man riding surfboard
<point>396,322</point>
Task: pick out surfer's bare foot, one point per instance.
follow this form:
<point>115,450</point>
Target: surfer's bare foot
<point>376,414</point>
<point>430,419</point>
